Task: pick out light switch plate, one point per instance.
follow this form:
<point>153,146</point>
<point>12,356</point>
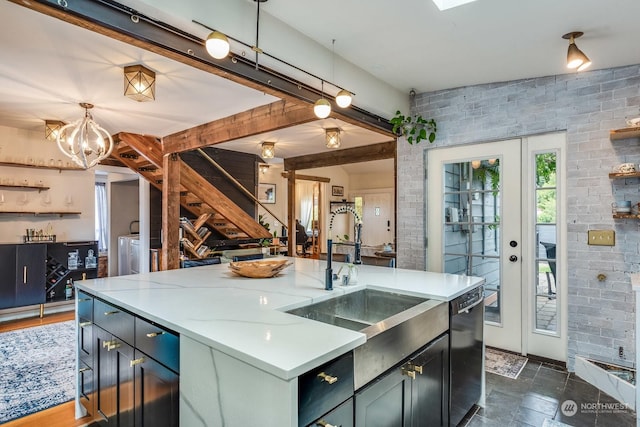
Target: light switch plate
<point>602,237</point>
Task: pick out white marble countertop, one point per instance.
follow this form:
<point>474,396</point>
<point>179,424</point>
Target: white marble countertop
<point>245,318</point>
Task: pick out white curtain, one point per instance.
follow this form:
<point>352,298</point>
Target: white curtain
<point>304,196</point>
<point>101,216</point>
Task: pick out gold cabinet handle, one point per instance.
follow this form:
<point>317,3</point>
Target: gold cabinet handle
<point>84,324</point>
<point>408,372</point>
<point>328,378</point>
<point>109,313</point>
<point>417,368</point>
<point>84,369</point>
<point>84,299</point>
<point>24,274</point>
<point>111,345</point>
<point>323,423</point>
<point>135,362</point>
<point>154,334</point>
<point>106,343</point>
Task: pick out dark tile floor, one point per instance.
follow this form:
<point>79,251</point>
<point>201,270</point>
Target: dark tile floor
<point>537,394</point>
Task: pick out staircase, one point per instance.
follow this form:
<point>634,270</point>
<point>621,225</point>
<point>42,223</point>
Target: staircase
<point>143,154</point>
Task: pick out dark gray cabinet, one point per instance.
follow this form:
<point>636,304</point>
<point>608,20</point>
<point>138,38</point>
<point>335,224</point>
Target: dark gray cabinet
<point>121,385</point>
<point>414,394</point>
<point>22,269</point>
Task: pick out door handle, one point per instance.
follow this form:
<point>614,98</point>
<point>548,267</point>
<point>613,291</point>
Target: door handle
<point>24,274</point>
<point>513,258</point>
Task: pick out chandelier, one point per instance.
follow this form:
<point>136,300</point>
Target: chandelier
<point>84,141</point>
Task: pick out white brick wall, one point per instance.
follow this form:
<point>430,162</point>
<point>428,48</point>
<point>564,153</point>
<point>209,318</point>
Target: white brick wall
<point>587,106</point>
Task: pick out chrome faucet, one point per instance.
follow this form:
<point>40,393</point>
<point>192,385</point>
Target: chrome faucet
<point>357,259</point>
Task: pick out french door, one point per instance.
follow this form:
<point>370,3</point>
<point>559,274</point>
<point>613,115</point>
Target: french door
<point>491,209</point>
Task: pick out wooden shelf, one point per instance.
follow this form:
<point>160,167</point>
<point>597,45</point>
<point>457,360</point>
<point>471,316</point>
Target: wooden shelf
<point>625,216</point>
<point>192,241</point>
<point>25,165</point>
<point>46,213</point>
<point>616,175</point>
<point>24,187</point>
<point>624,133</point>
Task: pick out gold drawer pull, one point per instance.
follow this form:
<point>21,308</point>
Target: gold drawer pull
<point>417,368</point>
<point>135,362</point>
<point>109,313</point>
<point>154,334</point>
<point>408,372</point>
<point>84,369</point>
<point>327,378</point>
<point>84,324</point>
<point>323,423</point>
<point>84,299</point>
<point>107,343</point>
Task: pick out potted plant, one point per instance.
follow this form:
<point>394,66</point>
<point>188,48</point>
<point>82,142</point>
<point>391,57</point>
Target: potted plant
<point>413,128</point>
<point>276,239</point>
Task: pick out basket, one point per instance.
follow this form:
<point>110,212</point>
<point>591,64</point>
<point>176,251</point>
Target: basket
<point>259,268</point>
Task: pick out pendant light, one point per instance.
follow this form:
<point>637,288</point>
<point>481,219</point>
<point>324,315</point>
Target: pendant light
<point>576,59</point>
<point>332,137</point>
<point>217,45</point>
<point>52,129</point>
<point>343,97</point>
<point>84,141</point>
<point>322,107</point>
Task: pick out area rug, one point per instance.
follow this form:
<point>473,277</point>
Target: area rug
<point>506,364</point>
<point>37,369</point>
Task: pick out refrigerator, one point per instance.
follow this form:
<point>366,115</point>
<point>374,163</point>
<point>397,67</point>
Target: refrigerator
<point>128,254</point>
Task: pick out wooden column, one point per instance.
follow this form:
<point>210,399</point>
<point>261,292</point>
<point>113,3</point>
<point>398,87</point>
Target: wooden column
<point>291,213</point>
<point>170,212</point>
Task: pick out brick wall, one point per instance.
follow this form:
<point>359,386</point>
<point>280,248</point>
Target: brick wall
<point>587,106</point>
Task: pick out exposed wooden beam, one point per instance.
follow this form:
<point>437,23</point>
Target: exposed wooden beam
<point>147,146</point>
<point>278,115</point>
<point>170,213</point>
<point>365,153</point>
<point>308,177</point>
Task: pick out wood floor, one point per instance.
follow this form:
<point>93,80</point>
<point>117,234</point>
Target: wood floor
<point>58,416</point>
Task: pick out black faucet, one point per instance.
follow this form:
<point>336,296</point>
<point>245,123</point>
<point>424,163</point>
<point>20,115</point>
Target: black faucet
<point>328,274</point>
<point>357,259</point>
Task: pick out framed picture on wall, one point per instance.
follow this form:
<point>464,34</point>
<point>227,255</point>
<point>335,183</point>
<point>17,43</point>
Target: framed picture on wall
<point>267,193</point>
<point>337,190</point>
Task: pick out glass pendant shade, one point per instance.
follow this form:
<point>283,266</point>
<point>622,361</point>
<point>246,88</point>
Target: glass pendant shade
<point>332,136</point>
<point>322,108</point>
<point>343,98</point>
<point>268,150</point>
<point>263,167</point>
<point>217,45</point>
<point>576,59</point>
<point>84,141</point>
<point>52,129</point>
<point>139,83</point>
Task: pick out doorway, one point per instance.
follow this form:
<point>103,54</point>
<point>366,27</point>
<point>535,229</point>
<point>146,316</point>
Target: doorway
<point>495,211</point>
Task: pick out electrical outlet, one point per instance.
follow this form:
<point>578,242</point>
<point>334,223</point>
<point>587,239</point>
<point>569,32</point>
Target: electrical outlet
<point>602,237</point>
<point>621,352</point>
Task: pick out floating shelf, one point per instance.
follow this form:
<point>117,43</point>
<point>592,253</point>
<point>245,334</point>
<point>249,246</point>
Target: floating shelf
<point>39,213</point>
<point>24,187</point>
<point>616,175</point>
<point>624,133</point>
<point>625,216</point>
<point>25,165</point>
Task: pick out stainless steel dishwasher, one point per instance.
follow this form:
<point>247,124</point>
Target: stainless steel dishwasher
<point>466,314</point>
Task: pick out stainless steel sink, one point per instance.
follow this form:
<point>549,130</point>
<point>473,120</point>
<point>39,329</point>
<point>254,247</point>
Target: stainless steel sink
<point>396,325</point>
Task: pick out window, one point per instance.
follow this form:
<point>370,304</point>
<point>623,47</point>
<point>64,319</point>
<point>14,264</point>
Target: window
<point>101,216</point>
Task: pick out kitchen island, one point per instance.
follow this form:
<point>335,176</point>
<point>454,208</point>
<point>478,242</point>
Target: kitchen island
<point>240,353</point>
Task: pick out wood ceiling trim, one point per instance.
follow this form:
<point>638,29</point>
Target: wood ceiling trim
<point>307,177</point>
<point>274,116</point>
<point>366,153</point>
<point>148,147</point>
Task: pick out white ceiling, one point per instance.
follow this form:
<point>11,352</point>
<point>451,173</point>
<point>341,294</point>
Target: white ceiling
<point>48,66</point>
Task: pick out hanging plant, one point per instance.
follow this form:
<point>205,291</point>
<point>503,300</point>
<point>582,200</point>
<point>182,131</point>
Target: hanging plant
<point>413,128</point>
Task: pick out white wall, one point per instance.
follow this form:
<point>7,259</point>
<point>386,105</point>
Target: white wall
<point>69,190</point>
<point>368,181</point>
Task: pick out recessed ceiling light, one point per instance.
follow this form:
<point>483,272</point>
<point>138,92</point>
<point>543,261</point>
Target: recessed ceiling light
<point>448,4</point>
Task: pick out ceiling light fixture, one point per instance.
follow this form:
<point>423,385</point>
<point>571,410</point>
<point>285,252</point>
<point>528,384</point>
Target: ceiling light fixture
<point>448,4</point>
<point>217,45</point>
<point>576,59</point>
<point>263,167</point>
<point>84,141</point>
<point>52,129</point>
<point>332,136</point>
<point>139,83</point>
<point>268,150</point>
<point>322,107</point>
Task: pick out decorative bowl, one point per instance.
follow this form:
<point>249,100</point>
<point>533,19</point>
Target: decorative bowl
<point>259,268</point>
